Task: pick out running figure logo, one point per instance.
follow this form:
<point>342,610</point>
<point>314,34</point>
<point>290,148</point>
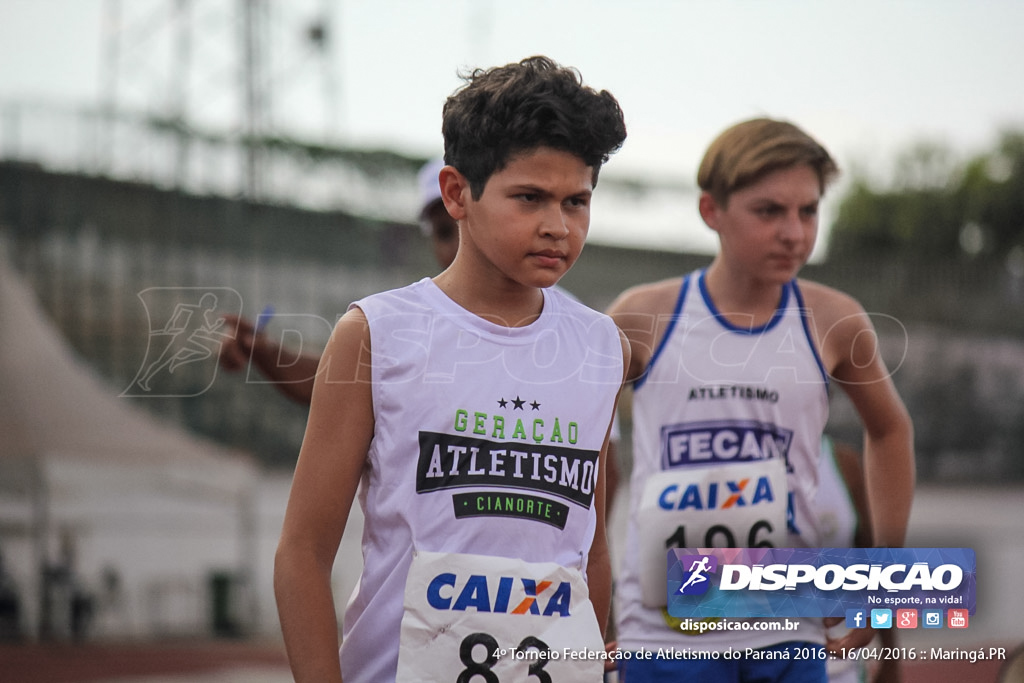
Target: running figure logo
<point>186,328</point>
<point>697,568</point>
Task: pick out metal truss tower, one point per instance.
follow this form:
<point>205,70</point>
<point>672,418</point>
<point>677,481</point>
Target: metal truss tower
<point>219,68</point>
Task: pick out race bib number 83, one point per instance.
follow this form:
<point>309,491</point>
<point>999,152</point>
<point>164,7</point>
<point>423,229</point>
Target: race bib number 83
<point>470,618</point>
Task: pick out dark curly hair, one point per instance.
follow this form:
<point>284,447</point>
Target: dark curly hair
<point>505,110</point>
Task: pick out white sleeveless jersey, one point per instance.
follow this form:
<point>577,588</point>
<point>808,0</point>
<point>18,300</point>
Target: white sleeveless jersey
<point>727,424</point>
<point>486,443</point>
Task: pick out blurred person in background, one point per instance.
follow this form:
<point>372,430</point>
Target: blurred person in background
<point>293,373</point>
<point>735,355</point>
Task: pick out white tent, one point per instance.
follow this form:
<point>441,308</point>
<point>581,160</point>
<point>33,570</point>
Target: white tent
<point>145,513</point>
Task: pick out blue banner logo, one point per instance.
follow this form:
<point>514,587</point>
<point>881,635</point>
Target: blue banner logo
<point>855,583</point>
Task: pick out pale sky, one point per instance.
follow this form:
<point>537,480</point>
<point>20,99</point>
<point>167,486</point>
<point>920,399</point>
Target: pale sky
<point>866,77</point>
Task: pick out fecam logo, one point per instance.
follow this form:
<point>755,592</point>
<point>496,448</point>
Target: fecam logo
<point>723,441</point>
<point>695,580</point>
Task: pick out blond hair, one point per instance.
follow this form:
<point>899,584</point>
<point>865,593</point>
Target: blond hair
<point>747,151</point>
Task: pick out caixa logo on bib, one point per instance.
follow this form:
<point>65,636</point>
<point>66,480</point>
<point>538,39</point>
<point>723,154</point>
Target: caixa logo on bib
<point>717,495</point>
<point>502,595</point>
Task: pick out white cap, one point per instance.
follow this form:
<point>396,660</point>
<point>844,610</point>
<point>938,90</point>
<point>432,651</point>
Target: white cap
<point>430,188</point>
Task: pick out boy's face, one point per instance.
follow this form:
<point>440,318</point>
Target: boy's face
<point>768,229</point>
<point>531,219</point>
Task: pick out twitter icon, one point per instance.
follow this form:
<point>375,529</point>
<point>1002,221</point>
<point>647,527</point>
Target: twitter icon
<point>881,618</point>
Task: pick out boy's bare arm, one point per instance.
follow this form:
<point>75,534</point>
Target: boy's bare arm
<point>327,474</point>
<point>849,347</point>
<point>889,470</point>
<point>293,374</point>
<point>643,314</point>
<point>599,575</point>
<point>599,566</point>
<point>848,344</point>
<point>848,460</point>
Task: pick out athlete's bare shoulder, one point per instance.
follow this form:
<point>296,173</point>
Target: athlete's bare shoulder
<point>642,313</point>
<point>827,304</point>
<point>840,325</point>
<point>651,297</point>
<point>824,301</point>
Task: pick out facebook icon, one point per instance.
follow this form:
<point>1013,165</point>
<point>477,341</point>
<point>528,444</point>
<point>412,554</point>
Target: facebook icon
<point>856,618</point>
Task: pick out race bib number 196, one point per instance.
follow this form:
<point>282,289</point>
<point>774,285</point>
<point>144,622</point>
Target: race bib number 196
<point>475,619</point>
<point>723,506</point>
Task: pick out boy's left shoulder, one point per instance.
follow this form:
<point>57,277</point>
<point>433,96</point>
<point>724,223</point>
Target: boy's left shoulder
<point>822,300</point>
<point>837,318</point>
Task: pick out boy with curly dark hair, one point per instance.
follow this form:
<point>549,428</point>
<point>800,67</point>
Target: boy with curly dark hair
<point>469,413</point>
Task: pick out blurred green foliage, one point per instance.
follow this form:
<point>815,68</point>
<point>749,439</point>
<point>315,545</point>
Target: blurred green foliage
<point>938,206</point>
